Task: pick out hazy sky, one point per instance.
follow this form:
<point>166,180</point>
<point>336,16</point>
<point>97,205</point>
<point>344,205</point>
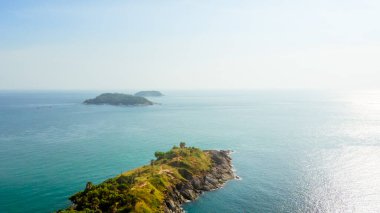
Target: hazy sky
<point>189,44</point>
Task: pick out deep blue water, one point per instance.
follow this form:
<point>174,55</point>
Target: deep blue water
<point>296,151</point>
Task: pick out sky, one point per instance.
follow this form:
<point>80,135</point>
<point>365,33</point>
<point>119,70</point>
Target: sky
<point>189,44</point>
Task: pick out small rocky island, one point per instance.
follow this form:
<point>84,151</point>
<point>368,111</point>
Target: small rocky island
<point>149,94</point>
<point>119,99</point>
<point>173,178</point>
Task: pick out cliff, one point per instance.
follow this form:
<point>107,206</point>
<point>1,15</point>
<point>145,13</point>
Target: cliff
<point>119,99</point>
<point>176,176</point>
<point>219,173</point>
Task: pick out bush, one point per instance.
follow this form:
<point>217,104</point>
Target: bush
<point>159,155</point>
<point>182,145</point>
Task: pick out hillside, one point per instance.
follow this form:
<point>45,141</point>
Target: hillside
<point>119,99</point>
<point>176,176</point>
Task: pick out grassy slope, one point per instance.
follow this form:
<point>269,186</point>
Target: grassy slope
<point>143,189</point>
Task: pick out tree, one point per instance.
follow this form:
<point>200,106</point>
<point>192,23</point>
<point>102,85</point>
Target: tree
<point>182,145</point>
<point>152,164</point>
<point>89,186</point>
<point>159,155</point>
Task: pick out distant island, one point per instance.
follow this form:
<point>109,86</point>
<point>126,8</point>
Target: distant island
<point>173,178</point>
<point>119,99</point>
<point>149,94</point>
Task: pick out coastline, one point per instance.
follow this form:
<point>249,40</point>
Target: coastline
<point>176,177</point>
<point>216,178</point>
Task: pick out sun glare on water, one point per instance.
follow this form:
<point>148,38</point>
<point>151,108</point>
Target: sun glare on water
<point>347,178</point>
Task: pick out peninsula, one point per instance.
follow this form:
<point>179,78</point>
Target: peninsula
<point>119,99</point>
<point>174,177</point>
<point>149,94</point>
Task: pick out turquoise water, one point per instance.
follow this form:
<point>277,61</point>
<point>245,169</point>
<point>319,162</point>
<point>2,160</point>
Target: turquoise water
<point>296,151</point>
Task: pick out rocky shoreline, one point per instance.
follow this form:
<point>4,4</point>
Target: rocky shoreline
<point>220,173</point>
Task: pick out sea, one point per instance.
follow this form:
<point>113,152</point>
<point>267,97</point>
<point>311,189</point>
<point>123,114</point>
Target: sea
<point>294,150</point>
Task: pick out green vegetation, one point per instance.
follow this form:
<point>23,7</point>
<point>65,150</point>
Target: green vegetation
<point>118,99</point>
<point>149,94</point>
<point>143,189</point>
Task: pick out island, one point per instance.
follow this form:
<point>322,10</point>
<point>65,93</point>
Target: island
<point>173,178</point>
<point>149,94</point>
<point>119,99</point>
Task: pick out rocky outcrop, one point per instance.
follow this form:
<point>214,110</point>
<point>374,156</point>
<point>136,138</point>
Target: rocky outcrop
<point>220,172</point>
<point>175,177</point>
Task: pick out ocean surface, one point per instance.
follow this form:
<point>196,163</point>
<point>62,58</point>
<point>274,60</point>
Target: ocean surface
<point>295,151</point>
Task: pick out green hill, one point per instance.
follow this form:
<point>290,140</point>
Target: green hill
<point>174,177</point>
<point>119,99</point>
<point>149,94</point>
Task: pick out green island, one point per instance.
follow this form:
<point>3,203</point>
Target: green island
<point>174,177</point>
<point>151,93</point>
<point>119,99</point>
